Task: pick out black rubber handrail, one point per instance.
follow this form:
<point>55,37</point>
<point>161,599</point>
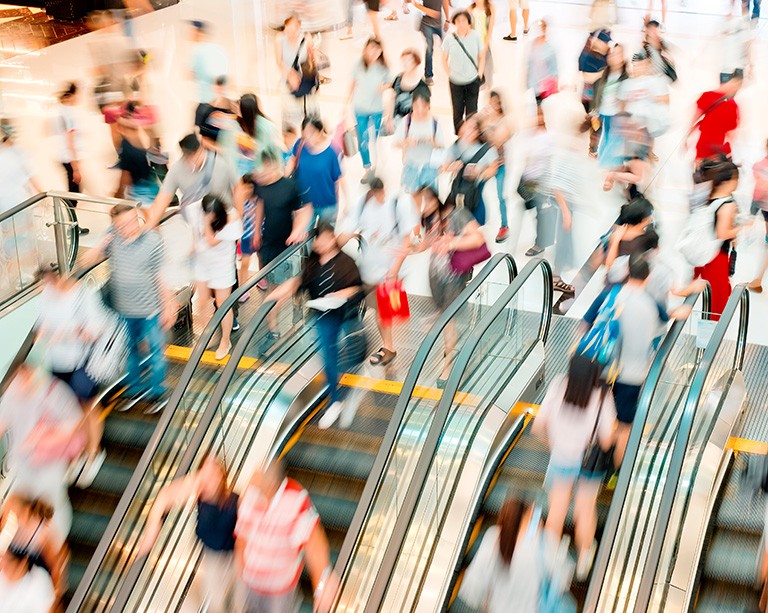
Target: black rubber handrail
<point>418,482</point>
<point>737,303</point>
<point>178,393</point>
<point>647,395</point>
<point>379,468</point>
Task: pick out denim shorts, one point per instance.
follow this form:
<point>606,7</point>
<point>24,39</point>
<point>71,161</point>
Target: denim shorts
<point>561,473</point>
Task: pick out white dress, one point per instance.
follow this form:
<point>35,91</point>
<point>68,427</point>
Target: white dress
<point>215,265</point>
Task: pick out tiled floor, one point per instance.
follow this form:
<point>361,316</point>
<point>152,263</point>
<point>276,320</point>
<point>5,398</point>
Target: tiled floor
<point>26,29</point>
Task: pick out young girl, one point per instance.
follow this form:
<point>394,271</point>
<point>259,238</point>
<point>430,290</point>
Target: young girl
<point>247,246</point>
<point>215,262</point>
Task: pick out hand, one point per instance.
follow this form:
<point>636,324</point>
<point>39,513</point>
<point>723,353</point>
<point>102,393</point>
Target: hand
<point>293,80</point>
<point>76,173</point>
<point>324,601</point>
<point>296,237</point>
<point>168,314</point>
<point>681,312</point>
<point>256,241</point>
<point>619,232</point>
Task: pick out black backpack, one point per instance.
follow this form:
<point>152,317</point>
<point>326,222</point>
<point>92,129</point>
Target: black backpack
<point>466,192</point>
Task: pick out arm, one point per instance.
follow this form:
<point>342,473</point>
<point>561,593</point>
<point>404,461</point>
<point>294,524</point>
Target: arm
<point>471,238</point>
<point>726,228</point>
<point>491,23</point>
<point>318,558</point>
<point>284,290</point>
<point>301,220</point>
<point>564,210</point>
<point>481,61</point>
<point>125,182</point>
<point>347,292</point>
<point>157,210</point>
<point>169,496</point>
<point>258,222</point>
<point>613,245</point>
<point>284,70</point>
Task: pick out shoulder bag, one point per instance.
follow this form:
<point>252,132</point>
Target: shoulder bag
<point>471,59</point>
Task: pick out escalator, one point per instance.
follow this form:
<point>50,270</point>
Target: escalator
<point>267,406</point>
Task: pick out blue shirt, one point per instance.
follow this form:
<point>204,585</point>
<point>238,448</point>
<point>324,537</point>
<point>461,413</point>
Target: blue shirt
<point>316,175</point>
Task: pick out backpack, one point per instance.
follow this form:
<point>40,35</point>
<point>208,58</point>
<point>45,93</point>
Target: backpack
<point>602,342</point>
<point>467,193</point>
<point>698,242</point>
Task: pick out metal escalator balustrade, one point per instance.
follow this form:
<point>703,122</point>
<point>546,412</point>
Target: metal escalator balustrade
<point>171,439</point>
<point>499,363</point>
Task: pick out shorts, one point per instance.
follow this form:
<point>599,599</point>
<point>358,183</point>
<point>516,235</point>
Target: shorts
<point>518,4</point>
<point>80,383</point>
<point>373,5</point>
<point>626,398</point>
<point>280,274</point>
<point>561,474</point>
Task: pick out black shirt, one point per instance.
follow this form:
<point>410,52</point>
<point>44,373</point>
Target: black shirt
<point>338,273</point>
<point>281,199</point>
<point>216,524</point>
<point>404,97</point>
<point>428,20</point>
<point>134,160</point>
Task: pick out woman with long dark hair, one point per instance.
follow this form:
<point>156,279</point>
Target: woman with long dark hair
<point>258,134</point>
<point>606,104</point>
<point>575,409</point>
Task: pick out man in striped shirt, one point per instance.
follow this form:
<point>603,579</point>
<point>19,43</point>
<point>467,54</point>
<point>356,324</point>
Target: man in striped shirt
<point>277,530</point>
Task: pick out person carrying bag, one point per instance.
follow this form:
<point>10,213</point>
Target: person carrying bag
<point>467,188</point>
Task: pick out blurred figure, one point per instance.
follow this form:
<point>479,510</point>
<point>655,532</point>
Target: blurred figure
<point>278,530</point>
<point>215,265</point>
<point>216,506</point>
<point>483,20</point>
<point>139,294</point>
<point>514,6</point>
<point>258,135</point>
<point>736,50</point>
<point>627,238</point>
<point>373,7</point>
<point>293,49</point>
<point>421,139</point>
<point>760,204</point>
<point>497,131</point>
<point>657,49</point>
<point>138,179</point>
<point>386,225</point>
<point>316,167</point>
<point>575,410</point>
<point>370,79</point>
<point>328,274</point>
<point>209,61</point>
<point>43,420</point>
<point>431,27</point>
<point>755,14</point>
<point>25,588</point>
<point>542,66</point>
<point>592,64</point>
<point>66,130</point>
<point>649,14</point>
<point>446,229</point>
<point>464,63</point>
<point>405,86</point>
<point>18,179</point>
<point>716,117</point>
<point>606,104</point>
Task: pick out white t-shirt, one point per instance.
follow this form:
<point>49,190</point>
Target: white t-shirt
<point>209,62</point>
<point>15,174</point>
<point>540,146</point>
<point>426,133</point>
<point>65,120</point>
<point>215,264</point>
<point>32,594</point>
<point>569,428</point>
<point>383,227</point>
<point>640,95</point>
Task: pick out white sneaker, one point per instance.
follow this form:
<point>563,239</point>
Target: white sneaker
<point>584,562</point>
<point>90,470</point>
<point>347,415</point>
<point>330,416</point>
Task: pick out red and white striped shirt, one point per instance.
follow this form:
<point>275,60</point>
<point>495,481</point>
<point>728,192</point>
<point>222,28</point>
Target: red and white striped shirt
<point>275,533</point>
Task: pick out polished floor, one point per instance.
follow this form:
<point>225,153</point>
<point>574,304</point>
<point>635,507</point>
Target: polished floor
<point>28,84</point>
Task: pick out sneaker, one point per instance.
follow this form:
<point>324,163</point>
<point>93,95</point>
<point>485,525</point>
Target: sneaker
<point>269,341</point>
<point>347,415</point>
<point>502,235</point>
<point>262,284</point>
<point>244,297</point>
<point>235,324</point>
<point>584,562</point>
<point>510,37</point>
<point>367,176</point>
<point>330,416</point>
<point>90,470</point>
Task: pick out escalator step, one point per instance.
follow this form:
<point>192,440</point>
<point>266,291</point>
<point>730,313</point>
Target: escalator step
<point>330,460</point>
<point>727,598</point>
<point>335,513</point>
<point>125,429</point>
<point>88,527</point>
<point>732,557</point>
<point>740,513</point>
<point>113,478</point>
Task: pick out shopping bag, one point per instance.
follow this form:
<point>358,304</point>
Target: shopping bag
<point>392,302</point>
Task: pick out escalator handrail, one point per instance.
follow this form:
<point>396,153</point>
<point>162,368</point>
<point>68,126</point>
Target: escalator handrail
<point>600,567</point>
<point>418,482</point>
<point>378,470</point>
<point>739,301</point>
<point>64,196</point>
<point>181,387</point>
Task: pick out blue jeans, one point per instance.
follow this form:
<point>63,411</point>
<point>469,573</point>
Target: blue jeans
<point>416,177</point>
<point>501,174</point>
<point>429,33</point>
<point>326,214</point>
<point>139,330</point>
<point>363,138</point>
<point>328,325</point>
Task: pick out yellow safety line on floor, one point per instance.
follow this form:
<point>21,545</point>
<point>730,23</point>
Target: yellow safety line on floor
<point>747,446</point>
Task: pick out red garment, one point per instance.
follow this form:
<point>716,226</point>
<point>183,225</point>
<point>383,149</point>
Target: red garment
<point>715,124</point>
<point>716,272</point>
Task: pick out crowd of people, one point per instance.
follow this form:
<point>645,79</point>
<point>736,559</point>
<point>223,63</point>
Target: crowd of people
<point>248,185</point>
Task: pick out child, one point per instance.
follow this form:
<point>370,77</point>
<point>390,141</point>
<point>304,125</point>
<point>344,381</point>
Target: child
<point>247,247</point>
<point>760,203</point>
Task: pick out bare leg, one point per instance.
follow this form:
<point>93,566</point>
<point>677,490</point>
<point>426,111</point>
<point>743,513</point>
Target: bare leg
<point>203,302</point>
<point>664,11</point>
<point>585,514</point>
<point>386,336</point>
<point>622,436</point>
<point>513,22</point>
<point>526,15</point>
<point>243,273</point>
<point>94,430</point>
<point>559,500</point>
<point>226,324</point>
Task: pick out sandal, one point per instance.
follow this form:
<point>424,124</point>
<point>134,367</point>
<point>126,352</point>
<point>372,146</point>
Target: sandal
<point>535,250</point>
<point>391,17</point>
<point>382,357</point>
<point>565,288</point>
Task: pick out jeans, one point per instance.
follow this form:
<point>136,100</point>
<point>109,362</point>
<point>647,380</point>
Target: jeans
<point>363,134</point>
<point>416,177</point>
<point>429,33</point>
<point>149,329</point>
<point>755,8</point>
<point>328,325</point>
<point>464,101</point>
<point>327,214</point>
<point>501,174</point>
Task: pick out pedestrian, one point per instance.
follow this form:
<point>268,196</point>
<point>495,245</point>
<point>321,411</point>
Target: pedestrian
<point>257,135</point>
<point>216,503</point>
<point>373,7</point>
<point>431,27</point>
<point>138,180</point>
<point>483,20</point>
<point>645,96</point>
<point>386,225</point>
<point>716,118</point>
<point>576,409</point>
<point>139,294</point>
<point>539,149</point>
<point>209,60</point>
<point>25,588</point>
<point>405,86</point>
<point>593,60</point>
<point>422,142</point>
<point>605,105</point>
<point>760,204</point>
<point>497,131</point>
<point>736,47</point>
<point>464,62</point>
<point>316,167</point>
<point>295,52</point>
<point>331,274</point>
<point>657,49</point>
<point>649,14</point>
<point>278,531</point>
<point>543,74</point>
<point>370,79</point>
<point>514,6</point>
<point>635,218</point>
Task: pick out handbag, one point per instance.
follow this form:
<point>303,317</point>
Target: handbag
<point>307,71</point>
<point>353,343</point>
<point>527,191</point>
<point>465,260</point>
<point>392,302</point>
<point>349,143</point>
<point>471,59</point>
<point>597,461</point>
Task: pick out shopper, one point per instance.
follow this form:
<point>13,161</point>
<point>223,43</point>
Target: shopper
<point>760,204</point>
<point>294,49</point>
<point>717,116</point>
<point>25,588</point>
<point>327,273</point>
<point>316,167</point>
<point>497,131</point>
<point>627,238</point>
<point>464,62</point>
<point>514,6</point>
<point>483,19</point>
<point>543,74</point>
<point>257,135</point>
<point>405,86</point>
<point>577,409</point>
<point>657,49</point>
<point>422,141</point>
<point>645,96</point>
<point>370,79</point>
<point>540,146</point>
<point>209,60</point>
<point>138,180</point>
<point>216,505</point>
<point>605,105</point>
<point>431,27</point>
<point>592,64</point>
<point>278,531</point>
